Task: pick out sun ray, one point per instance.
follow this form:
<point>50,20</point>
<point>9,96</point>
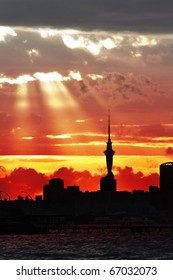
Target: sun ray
<point>22,97</point>
<point>23,129</point>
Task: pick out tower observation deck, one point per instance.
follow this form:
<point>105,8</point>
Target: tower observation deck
<point>108,183</point>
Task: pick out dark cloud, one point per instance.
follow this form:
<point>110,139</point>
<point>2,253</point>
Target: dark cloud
<point>157,130</point>
<point>133,15</point>
<point>129,180</point>
<point>84,179</point>
<point>32,182</point>
<point>169,151</point>
<point>22,179</point>
<point>116,88</point>
<point>88,52</point>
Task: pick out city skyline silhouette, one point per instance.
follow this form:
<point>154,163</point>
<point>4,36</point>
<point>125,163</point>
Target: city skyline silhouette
<point>107,182</point>
<point>71,177</point>
<point>86,130</point>
<point>54,105</point>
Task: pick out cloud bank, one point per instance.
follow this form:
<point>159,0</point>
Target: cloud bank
<point>30,181</point>
<point>133,15</point>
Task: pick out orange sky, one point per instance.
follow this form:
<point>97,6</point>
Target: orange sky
<point>56,87</point>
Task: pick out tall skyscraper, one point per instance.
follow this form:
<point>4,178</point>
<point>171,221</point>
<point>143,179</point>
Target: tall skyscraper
<point>108,183</point>
<point>166,177</point>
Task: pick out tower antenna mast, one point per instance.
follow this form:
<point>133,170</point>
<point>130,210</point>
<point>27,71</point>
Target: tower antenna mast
<point>109,130</point>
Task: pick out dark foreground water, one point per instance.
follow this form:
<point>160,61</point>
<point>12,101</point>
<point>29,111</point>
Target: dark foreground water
<point>88,245</point>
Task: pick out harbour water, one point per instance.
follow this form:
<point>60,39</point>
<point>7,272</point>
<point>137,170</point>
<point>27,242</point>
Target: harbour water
<point>95,244</point>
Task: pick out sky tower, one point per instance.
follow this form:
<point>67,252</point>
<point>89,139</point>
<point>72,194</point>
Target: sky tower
<point>108,183</point>
<point>109,151</point>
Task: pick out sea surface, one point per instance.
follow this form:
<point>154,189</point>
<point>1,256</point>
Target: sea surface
<point>95,244</point>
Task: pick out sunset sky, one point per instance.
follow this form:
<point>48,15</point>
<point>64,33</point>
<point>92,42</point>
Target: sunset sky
<point>62,65</point>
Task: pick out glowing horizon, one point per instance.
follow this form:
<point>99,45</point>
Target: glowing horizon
<point>55,91</point>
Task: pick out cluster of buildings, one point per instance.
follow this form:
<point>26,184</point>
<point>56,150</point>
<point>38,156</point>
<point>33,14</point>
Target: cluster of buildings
<point>107,200</point>
<point>108,183</point>
<point>72,203</point>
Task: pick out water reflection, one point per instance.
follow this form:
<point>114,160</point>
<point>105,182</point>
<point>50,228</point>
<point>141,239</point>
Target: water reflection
<point>89,245</point>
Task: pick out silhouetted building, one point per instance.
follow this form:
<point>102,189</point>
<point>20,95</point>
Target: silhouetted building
<point>73,189</point>
<point>166,177</point>
<point>38,198</point>
<point>108,183</point>
<point>154,189</point>
<point>53,189</point>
